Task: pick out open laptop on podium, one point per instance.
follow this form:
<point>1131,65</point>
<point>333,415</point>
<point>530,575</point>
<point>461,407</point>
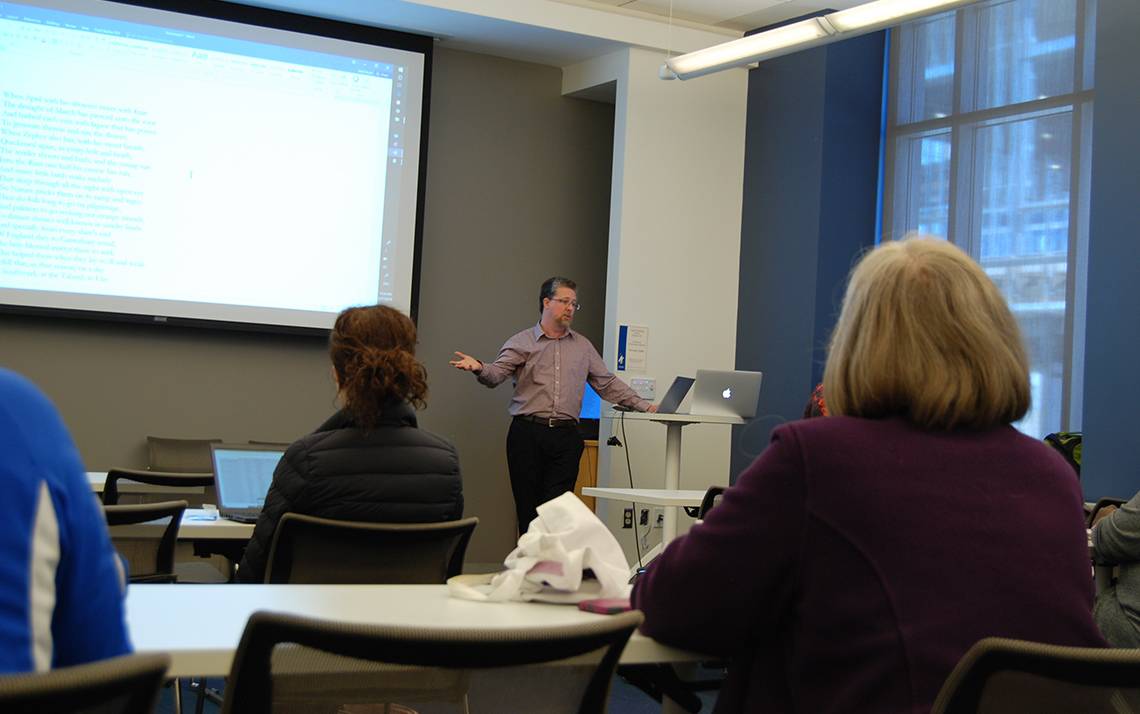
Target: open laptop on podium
<point>715,393</point>
<point>672,399</point>
<point>676,394</point>
<point>726,393</point>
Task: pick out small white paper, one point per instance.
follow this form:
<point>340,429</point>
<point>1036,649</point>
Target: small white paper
<point>636,348</point>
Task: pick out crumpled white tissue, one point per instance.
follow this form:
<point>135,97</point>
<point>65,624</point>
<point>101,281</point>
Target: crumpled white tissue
<point>551,558</point>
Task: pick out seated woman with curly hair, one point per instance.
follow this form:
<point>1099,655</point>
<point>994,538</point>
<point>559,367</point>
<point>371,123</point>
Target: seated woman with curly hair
<point>860,556</point>
<point>369,461</point>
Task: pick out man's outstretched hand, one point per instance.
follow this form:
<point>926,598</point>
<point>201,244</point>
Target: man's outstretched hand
<point>466,362</point>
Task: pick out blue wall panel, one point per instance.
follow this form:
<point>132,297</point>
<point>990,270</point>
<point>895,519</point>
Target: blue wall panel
<point>1111,454</point>
<point>810,199</point>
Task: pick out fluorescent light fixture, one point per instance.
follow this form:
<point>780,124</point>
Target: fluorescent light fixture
<point>885,13</point>
<point>803,34</point>
<point>746,49</point>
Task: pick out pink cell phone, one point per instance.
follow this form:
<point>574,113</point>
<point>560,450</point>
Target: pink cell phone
<point>606,605</point>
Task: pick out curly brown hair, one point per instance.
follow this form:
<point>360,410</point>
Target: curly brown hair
<point>373,351</point>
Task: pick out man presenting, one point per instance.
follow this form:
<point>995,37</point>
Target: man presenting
<point>549,365</point>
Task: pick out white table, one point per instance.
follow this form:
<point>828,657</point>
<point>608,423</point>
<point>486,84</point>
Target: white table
<point>673,424</point>
<point>652,497</point>
<point>648,496</point>
<point>200,626</point>
<point>98,480</point>
<point>194,526</point>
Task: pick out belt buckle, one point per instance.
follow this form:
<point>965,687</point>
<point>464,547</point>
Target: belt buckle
<point>550,423</point>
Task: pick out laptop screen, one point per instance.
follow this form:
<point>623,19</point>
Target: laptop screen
<point>243,475</point>
<point>676,394</point>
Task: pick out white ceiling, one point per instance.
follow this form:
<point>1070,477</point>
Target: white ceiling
<point>562,32</point>
<point>740,15</point>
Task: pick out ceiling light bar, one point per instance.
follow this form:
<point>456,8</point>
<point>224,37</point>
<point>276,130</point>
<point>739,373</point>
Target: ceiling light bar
<point>737,52</point>
<point>801,35</point>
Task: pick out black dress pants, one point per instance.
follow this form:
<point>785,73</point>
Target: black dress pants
<point>543,462</point>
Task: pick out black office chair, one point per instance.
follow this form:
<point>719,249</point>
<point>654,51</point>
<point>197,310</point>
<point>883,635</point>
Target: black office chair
<point>121,685</point>
<point>711,498</point>
<point>180,455</point>
<point>408,661</point>
<point>168,479</point>
<point>307,549</point>
<point>1100,505</point>
<point>190,571</point>
<point>152,559</point>
<point>999,675</point>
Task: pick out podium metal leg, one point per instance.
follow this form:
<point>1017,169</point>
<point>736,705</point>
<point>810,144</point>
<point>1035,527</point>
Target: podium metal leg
<point>672,476</point>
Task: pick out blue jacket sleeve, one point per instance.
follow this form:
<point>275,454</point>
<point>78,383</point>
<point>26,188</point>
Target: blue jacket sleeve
<point>89,622</point>
<point>61,594</point>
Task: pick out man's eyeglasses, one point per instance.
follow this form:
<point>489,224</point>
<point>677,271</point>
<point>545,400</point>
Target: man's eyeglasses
<point>567,301</point>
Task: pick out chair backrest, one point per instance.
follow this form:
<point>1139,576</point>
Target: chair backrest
<point>153,478</point>
<point>999,675</point>
<point>122,685</point>
<point>159,566</point>
<point>282,444</point>
<point>312,550</point>
<point>179,455</point>
<point>1100,505</point>
<point>712,498</point>
<point>416,653</point>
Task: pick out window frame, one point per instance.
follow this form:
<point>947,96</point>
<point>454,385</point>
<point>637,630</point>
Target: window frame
<point>962,127</point>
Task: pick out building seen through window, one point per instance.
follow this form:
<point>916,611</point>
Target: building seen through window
<point>988,146</point>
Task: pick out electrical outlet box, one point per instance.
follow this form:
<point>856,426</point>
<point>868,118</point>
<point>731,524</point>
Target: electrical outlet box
<point>658,517</point>
<point>643,519</point>
<point>627,518</point>
<point>646,387</point>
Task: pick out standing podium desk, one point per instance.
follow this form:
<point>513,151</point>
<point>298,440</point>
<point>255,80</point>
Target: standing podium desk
<point>673,424</point>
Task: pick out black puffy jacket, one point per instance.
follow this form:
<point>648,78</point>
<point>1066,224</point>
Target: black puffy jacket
<point>393,473</point>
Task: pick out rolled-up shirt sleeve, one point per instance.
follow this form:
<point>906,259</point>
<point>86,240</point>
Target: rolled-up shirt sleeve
<point>609,387</point>
<point>1116,539</point>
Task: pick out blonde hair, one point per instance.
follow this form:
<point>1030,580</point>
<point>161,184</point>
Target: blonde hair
<point>925,334</point>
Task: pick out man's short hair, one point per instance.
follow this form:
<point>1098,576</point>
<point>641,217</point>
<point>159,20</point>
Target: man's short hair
<point>551,286</point>
<point>926,335</point>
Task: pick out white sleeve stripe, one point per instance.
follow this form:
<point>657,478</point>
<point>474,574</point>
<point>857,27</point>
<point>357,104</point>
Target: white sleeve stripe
<point>122,573</point>
<point>44,563</point>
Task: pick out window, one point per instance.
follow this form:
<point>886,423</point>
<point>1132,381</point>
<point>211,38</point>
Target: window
<point>988,145</point>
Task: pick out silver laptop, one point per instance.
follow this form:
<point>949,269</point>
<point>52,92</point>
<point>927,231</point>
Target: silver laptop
<point>242,473</point>
<point>734,393</point>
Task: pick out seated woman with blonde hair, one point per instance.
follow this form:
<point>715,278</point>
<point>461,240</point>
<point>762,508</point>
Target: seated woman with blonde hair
<point>860,556</point>
<point>369,461</point>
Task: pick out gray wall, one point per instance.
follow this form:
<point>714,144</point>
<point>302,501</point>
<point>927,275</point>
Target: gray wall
<point>1111,455</point>
<point>517,189</point>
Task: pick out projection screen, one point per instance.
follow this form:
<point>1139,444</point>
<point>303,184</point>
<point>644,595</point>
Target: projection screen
<point>252,168</point>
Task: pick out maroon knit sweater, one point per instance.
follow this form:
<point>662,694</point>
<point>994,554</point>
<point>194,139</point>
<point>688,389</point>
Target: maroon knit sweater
<point>857,560</point>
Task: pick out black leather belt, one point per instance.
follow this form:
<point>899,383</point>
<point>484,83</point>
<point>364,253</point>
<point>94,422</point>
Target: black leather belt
<point>548,421</point>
